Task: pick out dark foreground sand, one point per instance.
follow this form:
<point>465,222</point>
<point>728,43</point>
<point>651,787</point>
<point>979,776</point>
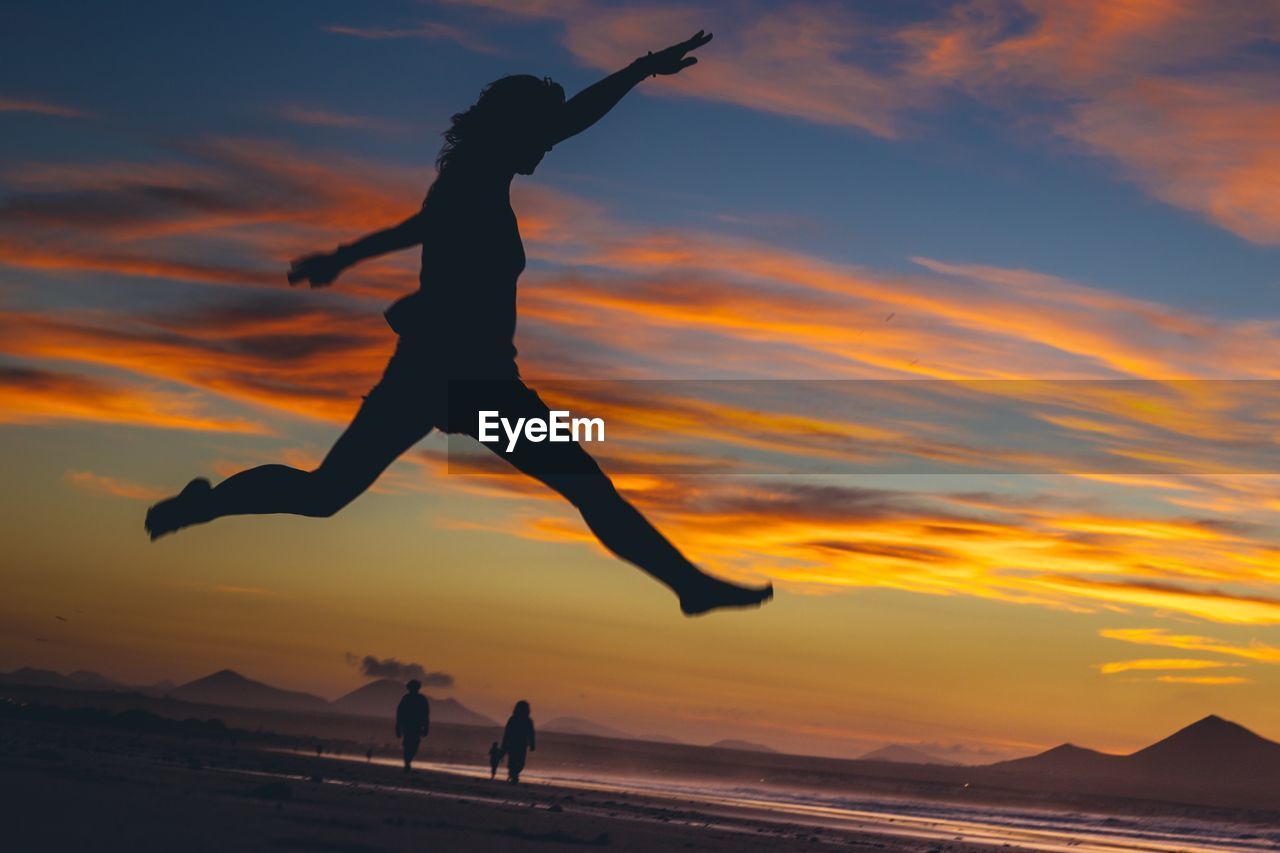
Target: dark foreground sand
<point>65,788</point>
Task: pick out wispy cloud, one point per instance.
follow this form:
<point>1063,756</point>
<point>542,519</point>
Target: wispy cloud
<point>797,59</point>
<point>23,105</point>
<point>1171,90</point>
<point>1161,664</point>
<point>431,30</point>
<point>1256,651</point>
<point>317,117</point>
<point>32,396</point>
<point>1205,145</point>
<point>103,484</point>
<point>1204,680</point>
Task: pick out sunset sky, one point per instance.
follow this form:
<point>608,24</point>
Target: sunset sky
<point>859,191</point>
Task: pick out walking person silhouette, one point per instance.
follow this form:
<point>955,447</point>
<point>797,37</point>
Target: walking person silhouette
<point>517,740</point>
<point>460,325</point>
<point>413,721</point>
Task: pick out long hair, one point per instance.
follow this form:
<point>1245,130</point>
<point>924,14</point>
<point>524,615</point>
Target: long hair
<point>519,105</point>
<point>521,709</point>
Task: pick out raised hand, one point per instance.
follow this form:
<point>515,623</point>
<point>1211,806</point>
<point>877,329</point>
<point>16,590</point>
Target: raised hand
<point>673,59</point>
<point>319,270</point>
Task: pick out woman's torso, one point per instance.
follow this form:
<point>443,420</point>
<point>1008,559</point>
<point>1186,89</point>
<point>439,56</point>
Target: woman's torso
<point>464,312</point>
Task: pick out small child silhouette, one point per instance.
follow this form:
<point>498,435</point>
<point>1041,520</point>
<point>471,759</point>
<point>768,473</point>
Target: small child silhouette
<point>495,758</point>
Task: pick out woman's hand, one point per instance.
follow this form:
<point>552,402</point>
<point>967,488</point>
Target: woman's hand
<point>673,60</point>
<point>318,270</point>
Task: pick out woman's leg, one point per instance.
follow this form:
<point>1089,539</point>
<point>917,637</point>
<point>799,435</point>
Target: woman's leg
<point>620,527</point>
<point>389,422</point>
<point>515,764</point>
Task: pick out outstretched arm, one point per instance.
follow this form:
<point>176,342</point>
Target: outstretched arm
<point>589,106</point>
<point>321,269</point>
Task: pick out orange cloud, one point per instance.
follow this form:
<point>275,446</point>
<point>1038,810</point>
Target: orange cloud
<point>1256,651</point>
<point>749,307</point>
<point>1121,80</point>
<point>33,396</point>
<point>1206,603</point>
<point>300,360</point>
<point>102,484</point>
<point>1203,680</point>
<point>1203,145</point>
<point>1160,664</point>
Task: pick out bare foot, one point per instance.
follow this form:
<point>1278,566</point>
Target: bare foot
<point>709,594</point>
<point>179,511</point>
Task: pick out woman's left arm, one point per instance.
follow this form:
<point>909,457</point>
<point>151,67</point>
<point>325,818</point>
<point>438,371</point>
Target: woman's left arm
<point>589,106</point>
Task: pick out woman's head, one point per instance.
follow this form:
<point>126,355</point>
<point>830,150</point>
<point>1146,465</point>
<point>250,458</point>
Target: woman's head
<point>522,709</point>
<point>512,125</point>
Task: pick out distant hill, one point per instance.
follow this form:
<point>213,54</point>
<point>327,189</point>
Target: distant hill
<point>37,678</point>
<point>1064,760</point>
<point>653,738</point>
<point>79,680</point>
<point>380,698</point>
<point>228,687</point>
<point>580,726</point>
<point>1210,748</point>
<point>161,688</point>
<point>900,754</point>
<point>1208,752</point>
<point>95,681</point>
<point>742,745</point>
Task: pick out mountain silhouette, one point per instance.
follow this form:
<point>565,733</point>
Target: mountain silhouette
<point>163,687</point>
<point>897,753</point>
<point>230,688</point>
<point>1210,752</point>
<point>81,679</point>
<point>1064,760</point>
<point>741,745</point>
<point>1210,748</point>
<point>37,678</point>
<point>95,681</point>
<point>657,738</point>
<point>379,699</point>
<point>581,726</point>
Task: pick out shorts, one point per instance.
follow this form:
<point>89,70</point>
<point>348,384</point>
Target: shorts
<point>419,392</point>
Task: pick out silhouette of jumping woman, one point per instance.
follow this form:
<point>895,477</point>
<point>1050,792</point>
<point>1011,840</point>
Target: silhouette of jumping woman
<point>460,325</point>
<point>517,740</point>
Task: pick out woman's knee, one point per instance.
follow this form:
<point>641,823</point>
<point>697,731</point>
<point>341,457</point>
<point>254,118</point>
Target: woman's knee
<point>327,493</point>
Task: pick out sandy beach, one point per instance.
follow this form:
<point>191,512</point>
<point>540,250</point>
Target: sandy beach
<point>68,789</point>
<point>74,788</point>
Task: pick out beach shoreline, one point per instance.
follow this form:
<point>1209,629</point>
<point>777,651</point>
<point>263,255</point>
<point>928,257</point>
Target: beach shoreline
<point>108,790</point>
